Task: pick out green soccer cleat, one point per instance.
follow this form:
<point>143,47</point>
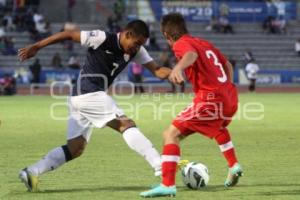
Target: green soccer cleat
<point>234,174</point>
<point>160,191</point>
<point>30,181</point>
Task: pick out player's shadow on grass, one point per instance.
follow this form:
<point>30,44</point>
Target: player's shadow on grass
<point>275,193</point>
<point>210,188</point>
<point>276,189</point>
<point>98,189</point>
<point>221,188</point>
<point>279,193</point>
<point>270,185</point>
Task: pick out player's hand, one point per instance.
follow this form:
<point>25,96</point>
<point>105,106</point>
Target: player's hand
<point>27,52</point>
<point>163,72</point>
<point>176,76</point>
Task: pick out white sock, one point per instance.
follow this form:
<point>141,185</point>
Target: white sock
<point>54,159</point>
<point>139,143</point>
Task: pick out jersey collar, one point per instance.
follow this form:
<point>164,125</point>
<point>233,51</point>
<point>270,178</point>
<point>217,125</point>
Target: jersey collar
<point>126,56</point>
<point>119,45</point>
<point>185,36</point>
<point>182,37</point>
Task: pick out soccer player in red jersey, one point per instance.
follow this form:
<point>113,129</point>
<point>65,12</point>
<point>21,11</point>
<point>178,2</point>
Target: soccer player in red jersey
<point>213,106</point>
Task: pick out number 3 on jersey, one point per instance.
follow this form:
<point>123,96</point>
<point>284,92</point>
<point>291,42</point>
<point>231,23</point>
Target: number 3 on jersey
<point>209,54</point>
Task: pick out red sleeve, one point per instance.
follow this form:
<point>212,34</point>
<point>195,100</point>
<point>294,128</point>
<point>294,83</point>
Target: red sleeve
<point>181,47</point>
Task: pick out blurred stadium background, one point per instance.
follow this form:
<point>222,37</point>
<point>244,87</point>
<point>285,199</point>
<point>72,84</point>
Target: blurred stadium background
<point>264,32</point>
<point>258,30</point>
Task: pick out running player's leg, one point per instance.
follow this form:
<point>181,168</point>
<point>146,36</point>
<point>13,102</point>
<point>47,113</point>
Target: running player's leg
<point>54,159</point>
<point>58,156</point>
<point>226,146</point>
<point>79,132</point>
<point>217,130</point>
<point>170,158</point>
<point>136,140</point>
<point>170,155</point>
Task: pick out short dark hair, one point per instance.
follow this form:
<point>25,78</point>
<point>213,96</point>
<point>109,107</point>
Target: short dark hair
<point>138,28</point>
<point>173,24</point>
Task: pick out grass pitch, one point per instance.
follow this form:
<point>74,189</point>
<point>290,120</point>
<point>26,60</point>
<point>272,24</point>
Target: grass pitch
<point>267,148</point>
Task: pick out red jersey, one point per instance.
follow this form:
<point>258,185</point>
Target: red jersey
<point>216,97</point>
<point>207,73</point>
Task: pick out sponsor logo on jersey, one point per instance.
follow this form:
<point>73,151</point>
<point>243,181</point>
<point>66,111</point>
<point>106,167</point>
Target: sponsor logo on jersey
<point>126,57</point>
<point>108,52</point>
<point>93,33</point>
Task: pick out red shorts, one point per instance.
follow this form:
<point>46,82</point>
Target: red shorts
<point>209,113</point>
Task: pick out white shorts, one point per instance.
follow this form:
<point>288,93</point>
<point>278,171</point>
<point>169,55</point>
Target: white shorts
<point>85,110</point>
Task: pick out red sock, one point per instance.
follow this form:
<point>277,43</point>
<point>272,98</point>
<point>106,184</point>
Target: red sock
<point>226,147</point>
<point>170,158</point>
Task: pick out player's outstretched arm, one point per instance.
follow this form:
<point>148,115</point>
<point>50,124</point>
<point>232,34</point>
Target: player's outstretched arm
<point>31,50</point>
<point>187,60</point>
<point>158,71</point>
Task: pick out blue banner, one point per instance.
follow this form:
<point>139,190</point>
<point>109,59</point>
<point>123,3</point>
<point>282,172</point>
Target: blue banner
<point>271,77</point>
<point>286,76</point>
<point>46,75</point>
<point>236,11</point>
<point>255,11</point>
<point>192,11</point>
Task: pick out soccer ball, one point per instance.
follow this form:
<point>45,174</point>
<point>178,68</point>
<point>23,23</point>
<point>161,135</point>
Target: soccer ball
<point>195,175</point>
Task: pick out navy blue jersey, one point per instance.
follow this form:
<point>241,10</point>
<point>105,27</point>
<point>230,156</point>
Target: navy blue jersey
<point>104,61</point>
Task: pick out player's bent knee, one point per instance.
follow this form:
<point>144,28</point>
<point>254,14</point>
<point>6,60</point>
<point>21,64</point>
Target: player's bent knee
<point>76,146</point>
<point>167,135</point>
<point>126,124</point>
<point>77,151</point>
<point>171,136</point>
<point>129,123</point>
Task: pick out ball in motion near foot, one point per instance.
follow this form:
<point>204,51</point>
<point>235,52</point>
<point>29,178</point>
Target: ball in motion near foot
<point>195,175</point>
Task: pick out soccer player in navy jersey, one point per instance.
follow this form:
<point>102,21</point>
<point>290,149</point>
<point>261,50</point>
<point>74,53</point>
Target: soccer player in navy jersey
<point>107,55</point>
